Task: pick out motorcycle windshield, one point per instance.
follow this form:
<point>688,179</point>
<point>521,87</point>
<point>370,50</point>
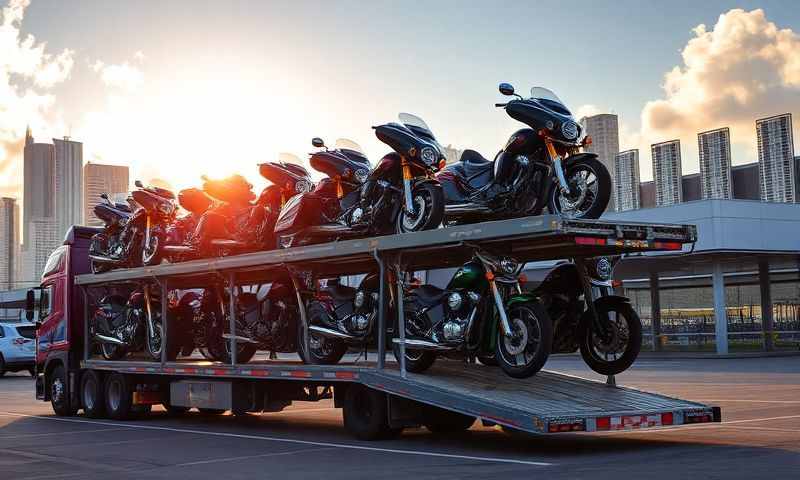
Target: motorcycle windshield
<point>347,144</point>
<point>293,163</point>
<point>419,128</point>
<point>549,97</point>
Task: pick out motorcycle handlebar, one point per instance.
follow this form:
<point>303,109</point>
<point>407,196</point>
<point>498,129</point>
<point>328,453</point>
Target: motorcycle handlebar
<point>500,104</point>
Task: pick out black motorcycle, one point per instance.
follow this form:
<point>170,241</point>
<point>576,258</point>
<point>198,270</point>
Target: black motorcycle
<point>401,194</point>
<point>610,338</point>
<point>121,243</point>
<point>539,166</point>
<point>483,314</point>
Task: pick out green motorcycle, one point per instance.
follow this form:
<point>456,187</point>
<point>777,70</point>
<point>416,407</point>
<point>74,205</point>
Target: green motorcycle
<point>483,314</point>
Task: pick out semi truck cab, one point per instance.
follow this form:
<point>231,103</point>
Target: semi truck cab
<point>59,321</point>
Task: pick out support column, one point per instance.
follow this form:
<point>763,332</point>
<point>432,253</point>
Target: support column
<point>767,321</point>
<point>655,311</point>
<point>720,315</point>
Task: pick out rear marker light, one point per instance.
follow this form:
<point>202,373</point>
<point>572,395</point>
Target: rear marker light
<point>603,423</point>
<point>590,241</point>
<point>666,418</point>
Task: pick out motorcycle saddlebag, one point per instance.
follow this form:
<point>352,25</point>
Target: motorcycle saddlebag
<point>233,189</point>
<point>194,200</point>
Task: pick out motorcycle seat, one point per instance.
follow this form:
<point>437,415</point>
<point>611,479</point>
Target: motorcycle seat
<point>123,207</point>
<point>340,293</point>
<point>473,168</point>
<point>429,295</point>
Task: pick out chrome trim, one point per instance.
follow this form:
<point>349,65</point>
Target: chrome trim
<point>422,344</point>
<point>329,332</point>
<point>107,339</point>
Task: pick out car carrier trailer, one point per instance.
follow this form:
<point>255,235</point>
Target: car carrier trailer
<point>378,397</point>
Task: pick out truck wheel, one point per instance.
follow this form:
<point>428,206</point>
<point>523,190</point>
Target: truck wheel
<point>59,398</point>
<point>439,420</point>
<point>119,398</point>
<point>612,355</point>
<point>92,398</point>
<point>365,413</point>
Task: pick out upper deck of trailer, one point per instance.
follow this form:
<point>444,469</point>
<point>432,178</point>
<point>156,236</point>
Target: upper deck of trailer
<point>526,239</point>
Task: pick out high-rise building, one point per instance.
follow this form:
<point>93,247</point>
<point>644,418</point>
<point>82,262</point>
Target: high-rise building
<point>9,243</point>
<point>604,130</point>
<point>714,147</point>
<point>667,172</point>
<point>775,158</point>
<point>44,238</point>
<point>38,182</point>
<point>99,179</point>
<point>69,183</point>
<point>626,180</point>
<point>452,154</point>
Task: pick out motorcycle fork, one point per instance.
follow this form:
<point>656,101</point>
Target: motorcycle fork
<point>505,326</point>
<point>601,324</point>
<point>559,168</point>
<point>148,310</point>
<point>407,177</point>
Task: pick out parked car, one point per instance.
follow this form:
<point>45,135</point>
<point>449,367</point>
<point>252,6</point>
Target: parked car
<point>17,347</point>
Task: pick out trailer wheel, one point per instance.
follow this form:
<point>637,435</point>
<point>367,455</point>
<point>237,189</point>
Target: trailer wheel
<point>92,394</point>
<point>365,413</point>
<point>59,398</point>
<point>439,420</point>
<point>119,398</point>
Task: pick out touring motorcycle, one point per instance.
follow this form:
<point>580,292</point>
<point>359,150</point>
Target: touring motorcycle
<point>120,244</point>
<point>401,194</point>
<point>539,166</point>
<point>607,331</point>
<point>122,324</point>
<point>482,313</point>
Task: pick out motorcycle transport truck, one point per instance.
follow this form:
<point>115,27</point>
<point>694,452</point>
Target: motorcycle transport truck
<point>378,397</point>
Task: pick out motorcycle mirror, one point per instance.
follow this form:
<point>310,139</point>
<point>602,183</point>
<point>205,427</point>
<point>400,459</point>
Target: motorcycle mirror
<point>506,89</point>
<point>104,196</point>
<point>138,184</point>
<point>317,142</point>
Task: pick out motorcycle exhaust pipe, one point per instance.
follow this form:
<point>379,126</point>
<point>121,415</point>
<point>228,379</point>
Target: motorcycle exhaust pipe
<point>101,258</point>
<point>106,339</point>
<point>228,336</point>
<point>423,345</point>
<point>329,332</point>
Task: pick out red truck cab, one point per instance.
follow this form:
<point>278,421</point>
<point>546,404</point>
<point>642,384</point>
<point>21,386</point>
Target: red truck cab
<point>59,337</point>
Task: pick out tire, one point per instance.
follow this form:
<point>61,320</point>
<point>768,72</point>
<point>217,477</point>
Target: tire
<point>365,413</point>
<point>429,200</point>
<point>152,255</point>
<point>93,394</point>
<point>597,203</point>
<point>155,342</point>
<point>417,361</point>
<point>59,395</point>
<point>594,354</point>
<point>111,351</point>
<point>490,360</point>
<point>441,421</point>
<point>97,248</point>
<point>119,397</point>
<point>2,366</point>
<point>319,350</point>
<point>530,322</point>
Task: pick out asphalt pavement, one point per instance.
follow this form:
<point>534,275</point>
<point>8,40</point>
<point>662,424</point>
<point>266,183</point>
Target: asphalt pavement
<point>759,437</point>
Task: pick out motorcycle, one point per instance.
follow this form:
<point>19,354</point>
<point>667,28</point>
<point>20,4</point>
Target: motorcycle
<point>123,324</point>
<point>399,195</point>
<point>482,312</point>
<point>539,166</point>
<point>607,331</point>
<point>265,319</point>
<point>126,226</point>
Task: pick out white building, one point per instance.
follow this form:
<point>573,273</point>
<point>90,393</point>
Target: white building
<point>38,182</point>
<point>45,237</point>
<point>714,147</point>
<point>626,180</point>
<point>667,172</point>
<point>604,130</point>
<point>9,243</point>
<point>99,179</point>
<point>775,158</point>
<point>69,184</point>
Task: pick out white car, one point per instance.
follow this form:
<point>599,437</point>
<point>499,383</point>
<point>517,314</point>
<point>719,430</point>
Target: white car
<point>17,347</point>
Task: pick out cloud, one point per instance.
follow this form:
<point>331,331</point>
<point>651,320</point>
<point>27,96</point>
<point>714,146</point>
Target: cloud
<point>743,68</point>
<point>27,75</point>
<point>124,76</point>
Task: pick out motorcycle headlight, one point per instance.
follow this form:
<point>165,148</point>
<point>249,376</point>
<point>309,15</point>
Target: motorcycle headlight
<point>358,301</point>
<point>166,208</point>
<point>508,266</point>
<point>302,186</point>
<point>602,268</point>
<point>570,130</point>
<point>362,174</point>
<point>428,155</point>
<point>454,301</point>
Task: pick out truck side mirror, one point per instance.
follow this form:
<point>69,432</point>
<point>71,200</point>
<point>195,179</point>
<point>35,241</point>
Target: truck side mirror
<point>317,142</point>
<point>138,184</point>
<point>30,305</point>
<point>506,89</point>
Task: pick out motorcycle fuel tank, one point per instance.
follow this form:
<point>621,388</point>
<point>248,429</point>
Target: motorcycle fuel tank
<point>471,276</point>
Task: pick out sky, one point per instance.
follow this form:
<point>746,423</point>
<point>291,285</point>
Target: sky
<point>181,88</point>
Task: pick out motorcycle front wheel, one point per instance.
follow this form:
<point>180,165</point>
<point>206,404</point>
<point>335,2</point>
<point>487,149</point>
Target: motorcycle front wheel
<point>428,209</point>
<point>590,190</point>
<point>112,351</point>
<point>155,340</point>
<point>152,251</point>
<point>525,352</point>
<point>317,349</point>
<point>615,351</point>
<point>417,361</point>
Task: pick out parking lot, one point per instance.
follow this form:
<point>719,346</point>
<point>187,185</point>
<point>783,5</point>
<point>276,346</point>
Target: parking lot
<point>759,437</point>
